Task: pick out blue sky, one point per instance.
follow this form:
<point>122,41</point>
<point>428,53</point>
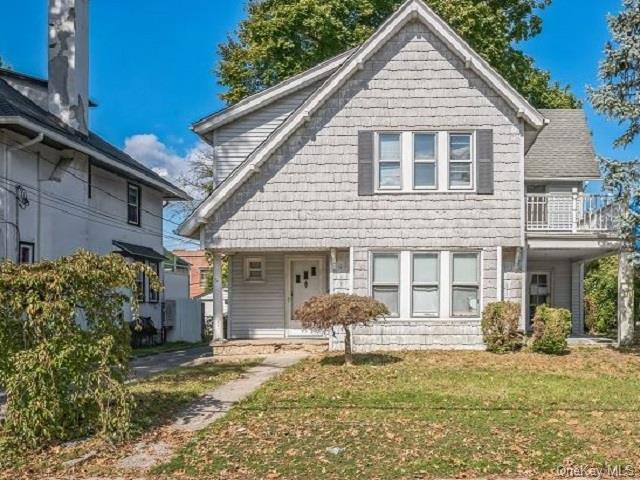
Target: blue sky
<point>152,65</point>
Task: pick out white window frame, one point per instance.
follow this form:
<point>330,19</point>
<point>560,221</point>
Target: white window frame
<point>477,284</point>
<point>137,205</point>
<point>248,270</point>
<point>378,161</point>
<point>415,161</point>
<point>425,284</point>
<point>398,285</point>
<point>471,161</point>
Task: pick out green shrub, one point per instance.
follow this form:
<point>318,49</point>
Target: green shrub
<point>63,381</point>
<point>551,327</point>
<point>500,322</point>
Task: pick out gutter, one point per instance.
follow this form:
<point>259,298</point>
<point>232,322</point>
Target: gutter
<point>15,120</point>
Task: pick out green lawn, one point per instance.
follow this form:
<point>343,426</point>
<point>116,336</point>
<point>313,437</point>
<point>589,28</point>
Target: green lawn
<point>157,400</point>
<point>432,414</point>
<point>165,347</point>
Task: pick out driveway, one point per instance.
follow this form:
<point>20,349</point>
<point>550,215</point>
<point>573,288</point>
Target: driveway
<point>145,366</point>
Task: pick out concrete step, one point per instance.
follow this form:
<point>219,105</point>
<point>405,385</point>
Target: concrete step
<point>257,347</point>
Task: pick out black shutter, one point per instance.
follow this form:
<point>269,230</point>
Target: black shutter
<point>365,163</point>
<point>484,156</point>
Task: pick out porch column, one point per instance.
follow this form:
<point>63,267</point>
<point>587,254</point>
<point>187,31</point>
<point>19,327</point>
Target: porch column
<point>577,298</point>
<point>218,322</point>
<point>625,298</point>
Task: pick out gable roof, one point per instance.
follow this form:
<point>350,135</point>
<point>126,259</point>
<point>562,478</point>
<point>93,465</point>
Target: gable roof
<point>563,148</point>
<point>18,110</point>
<point>410,10</point>
<point>270,95</point>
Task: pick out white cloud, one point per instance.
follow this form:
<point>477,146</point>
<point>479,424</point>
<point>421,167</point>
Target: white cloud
<point>149,150</point>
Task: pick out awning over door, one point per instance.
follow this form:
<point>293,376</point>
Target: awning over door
<point>138,251</point>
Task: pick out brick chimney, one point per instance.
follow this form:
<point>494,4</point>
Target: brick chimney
<point>69,62</point>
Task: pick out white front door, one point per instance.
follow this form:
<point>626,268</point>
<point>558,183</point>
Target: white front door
<point>305,280</point>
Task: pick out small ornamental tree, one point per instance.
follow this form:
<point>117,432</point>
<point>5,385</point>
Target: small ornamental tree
<point>340,310</point>
<point>64,381</point>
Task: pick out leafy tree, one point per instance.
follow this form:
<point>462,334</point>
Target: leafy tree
<point>325,312</point>
<point>601,295</point>
<point>281,38</point>
<point>622,180</point>
<point>619,95</point>
<point>64,381</point>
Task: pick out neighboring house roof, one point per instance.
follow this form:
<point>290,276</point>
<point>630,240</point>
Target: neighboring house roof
<point>270,95</point>
<point>139,251</point>
<point>38,82</point>
<point>175,260</point>
<point>18,110</point>
<point>410,10</point>
<point>563,148</point>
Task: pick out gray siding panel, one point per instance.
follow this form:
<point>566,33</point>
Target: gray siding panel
<point>235,141</point>
<point>256,310</point>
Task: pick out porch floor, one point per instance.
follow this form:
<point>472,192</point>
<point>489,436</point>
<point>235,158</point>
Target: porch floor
<point>268,346</point>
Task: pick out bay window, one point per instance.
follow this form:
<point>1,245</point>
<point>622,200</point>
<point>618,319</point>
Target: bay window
<point>389,161</point>
<point>425,294</point>
<point>386,281</point>
<point>465,284</point>
<point>424,160</point>
<point>460,160</point>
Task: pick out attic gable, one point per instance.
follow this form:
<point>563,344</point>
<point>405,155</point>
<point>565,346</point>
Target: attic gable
<point>412,10</point>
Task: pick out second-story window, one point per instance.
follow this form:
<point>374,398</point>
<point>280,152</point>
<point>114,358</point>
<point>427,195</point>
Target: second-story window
<point>389,161</point>
<point>424,160</point>
<point>460,160</point>
<point>133,204</point>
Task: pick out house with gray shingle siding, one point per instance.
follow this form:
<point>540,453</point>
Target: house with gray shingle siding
<point>408,170</point>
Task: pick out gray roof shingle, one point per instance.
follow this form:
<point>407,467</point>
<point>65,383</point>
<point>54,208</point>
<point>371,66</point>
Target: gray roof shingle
<point>563,149</point>
<point>14,104</point>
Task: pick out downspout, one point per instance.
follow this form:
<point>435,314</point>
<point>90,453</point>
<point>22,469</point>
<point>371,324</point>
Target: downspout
<point>7,175</point>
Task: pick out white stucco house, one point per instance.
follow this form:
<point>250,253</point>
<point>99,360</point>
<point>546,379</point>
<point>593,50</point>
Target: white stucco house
<point>409,170</point>
<point>62,187</point>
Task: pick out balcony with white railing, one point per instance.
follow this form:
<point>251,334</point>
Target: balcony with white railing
<point>571,212</point>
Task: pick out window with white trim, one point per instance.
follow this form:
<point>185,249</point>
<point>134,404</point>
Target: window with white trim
<point>385,285</point>
<point>424,160</point>
<point>460,160</point>
<point>133,204</point>
<point>254,269</point>
<point>425,281</point>
<point>465,284</point>
<point>389,161</point>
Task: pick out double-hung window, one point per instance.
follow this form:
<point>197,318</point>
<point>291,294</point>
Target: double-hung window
<point>465,284</point>
<point>133,204</point>
<point>389,161</point>
<point>386,281</point>
<point>424,160</point>
<point>460,161</point>
<point>425,292</point>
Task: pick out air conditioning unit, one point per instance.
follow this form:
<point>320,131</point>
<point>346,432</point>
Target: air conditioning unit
<point>170,313</point>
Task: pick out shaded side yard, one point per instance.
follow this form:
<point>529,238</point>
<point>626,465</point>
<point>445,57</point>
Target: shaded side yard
<point>158,399</point>
<point>429,414</point>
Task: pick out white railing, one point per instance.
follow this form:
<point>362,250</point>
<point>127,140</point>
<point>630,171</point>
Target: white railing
<point>571,212</point>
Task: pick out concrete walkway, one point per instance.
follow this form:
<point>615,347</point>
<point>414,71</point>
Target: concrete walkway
<point>216,403</point>
<point>209,408</point>
<point>146,366</point>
